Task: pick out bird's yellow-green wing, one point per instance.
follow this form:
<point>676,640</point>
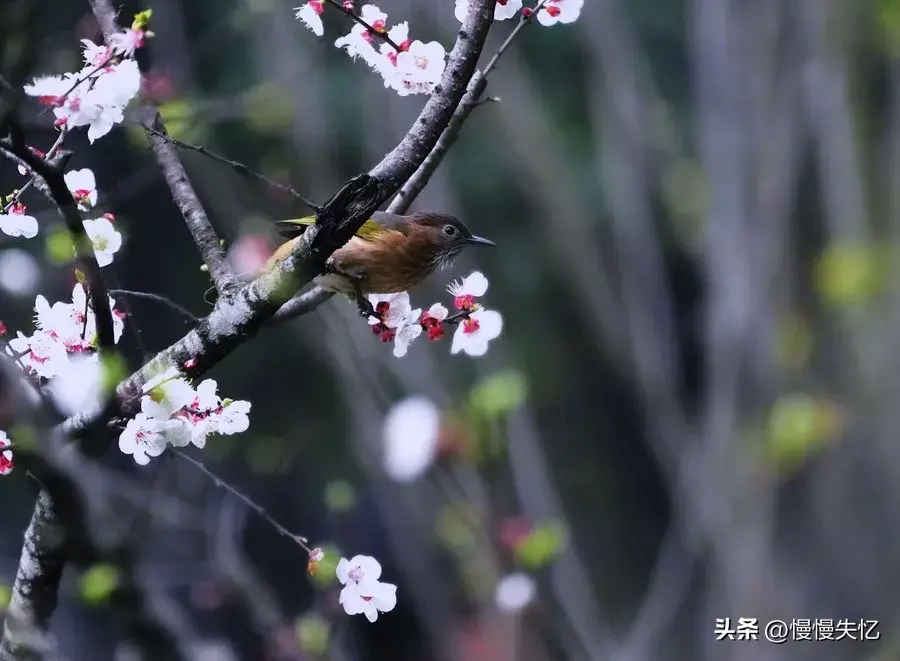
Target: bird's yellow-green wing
<point>368,229</point>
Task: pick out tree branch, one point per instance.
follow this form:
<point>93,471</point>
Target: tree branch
<point>237,166</point>
<point>417,182</point>
<point>237,317</point>
<point>208,243</point>
<point>55,188</point>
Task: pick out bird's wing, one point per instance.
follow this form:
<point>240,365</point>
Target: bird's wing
<point>379,221</point>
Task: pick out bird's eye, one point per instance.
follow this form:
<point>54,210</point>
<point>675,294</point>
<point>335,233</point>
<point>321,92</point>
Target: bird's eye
<point>449,230</point>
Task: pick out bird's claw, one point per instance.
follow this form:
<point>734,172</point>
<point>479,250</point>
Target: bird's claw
<point>366,309</point>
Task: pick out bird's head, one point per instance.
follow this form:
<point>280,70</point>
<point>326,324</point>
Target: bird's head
<point>445,235</point>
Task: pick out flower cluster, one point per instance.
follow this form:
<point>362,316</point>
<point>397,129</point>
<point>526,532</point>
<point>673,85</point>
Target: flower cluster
<point>407,66</point>
<point>97,95</point>
<point>6,456</point>
<point>104,237</point>
<point>549,12</point>
<point>174,413</point>
<point>363,592</point>
<point>63,331</point>
<point>398,322</point>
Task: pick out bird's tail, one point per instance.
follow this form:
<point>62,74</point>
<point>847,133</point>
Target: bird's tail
<point>294,227</point>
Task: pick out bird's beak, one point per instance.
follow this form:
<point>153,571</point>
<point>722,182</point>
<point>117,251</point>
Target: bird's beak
<point>480,241</point>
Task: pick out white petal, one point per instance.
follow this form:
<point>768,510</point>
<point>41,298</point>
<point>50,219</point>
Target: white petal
<point>351,601</point>
<point>371,568</point>
<point>371,611</point>
<point>491,323</point>
<point>384,596</point>
<point>342,570</point>
<point>475,285</point>
<point>438,311</point>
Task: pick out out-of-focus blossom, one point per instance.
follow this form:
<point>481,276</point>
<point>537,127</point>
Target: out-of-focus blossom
<point>410,436</point>
<point>514,592</point>
<point>363,592</point>
<point>19,272</point>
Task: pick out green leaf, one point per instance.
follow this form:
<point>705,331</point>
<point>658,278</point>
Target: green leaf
<point>113,370</point>
<point>541,546</point>
<point>848,274</point>
<point>799,425</point>
<point>97,584</point>
<point>456,525</point>
<point>59,246</point>
<point>340,496</point>
<point>313,634</point>
<point>499,394</point>
<point>5,596</point>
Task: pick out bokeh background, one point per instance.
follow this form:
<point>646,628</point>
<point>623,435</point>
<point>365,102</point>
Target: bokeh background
<point>691,413</point>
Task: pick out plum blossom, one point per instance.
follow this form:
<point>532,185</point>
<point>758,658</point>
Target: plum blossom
<point>17,223</point>
<point>473,334</point>
<point>418,69</point>
<point>40,353</point>
<point>560,11</point>
<point>410,436</point>
<point>88,325</point>
<point>432,321</point>
<point>505,9</point>
<point>358,43</point>
<point>95,55</point>
<point>92,98</point>
<point>397,321</point>
<point>143,438</point>
<point>77,388</point>
<point>310,15</point>
<point>50,90</point>
<point>83,187</point>
<point>126,42</point>
<point>174,413</point>
<point>363,592</point>
<point>6,456</point>
<point>514,592</point>
<point>105,239</point>
<point>465,291</point>
<point>165,394</point>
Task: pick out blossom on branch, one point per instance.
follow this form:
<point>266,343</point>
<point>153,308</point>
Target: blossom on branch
<point>83,187</point>
<point>174,413</point>
<point>505,9</point>
<point>17,223</point>
<point>474,333</point>
<point>6,456</point>
<point>104,237</point>
<point>95,97</point>
<point>560,11</point>
<point>363,593</point>
<point>310,15</point>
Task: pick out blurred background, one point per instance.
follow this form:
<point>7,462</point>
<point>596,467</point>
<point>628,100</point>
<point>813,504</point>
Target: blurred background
<point>691,414</point>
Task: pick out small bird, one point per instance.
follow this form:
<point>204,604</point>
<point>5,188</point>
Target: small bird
<point>390,253</point>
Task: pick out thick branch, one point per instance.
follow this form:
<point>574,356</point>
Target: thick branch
<point>183,194</point>
<point>236,318</point>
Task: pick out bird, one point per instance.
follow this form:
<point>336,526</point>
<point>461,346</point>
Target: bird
<point>388,254</point>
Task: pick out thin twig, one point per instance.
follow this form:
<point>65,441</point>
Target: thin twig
<point>471,100</point>
<point>183,193</point>
<point>184,312</point>
<point>259,509</point>
<point>28,184</point>
<point>381,34</point>
<point>49,178</point>
<point>236,165</point>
